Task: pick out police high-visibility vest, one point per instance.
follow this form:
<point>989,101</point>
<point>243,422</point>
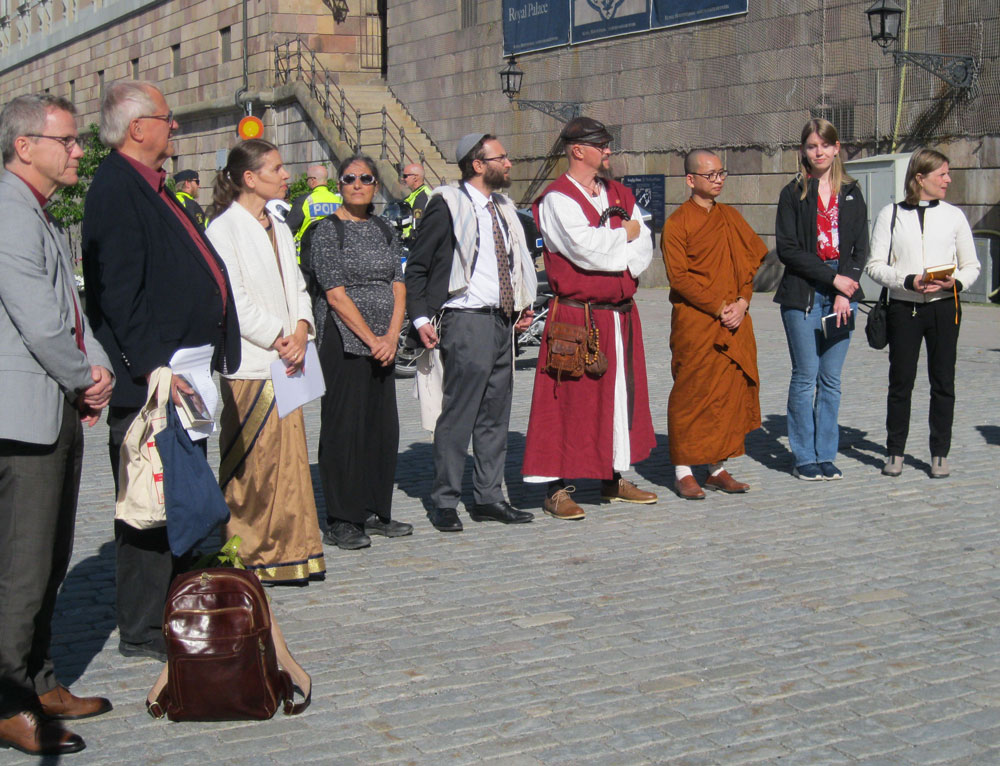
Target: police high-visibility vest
<point>320,203</point>
<point>411,200</point>
<point>191,205</point>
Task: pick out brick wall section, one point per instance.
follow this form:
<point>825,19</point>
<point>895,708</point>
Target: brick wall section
<point>678,88</point>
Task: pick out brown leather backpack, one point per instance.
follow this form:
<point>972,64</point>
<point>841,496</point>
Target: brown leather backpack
<point>226,657</point>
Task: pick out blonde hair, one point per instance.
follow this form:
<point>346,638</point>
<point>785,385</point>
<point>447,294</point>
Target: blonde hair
<point>922,162</point>
<point>828,133</point>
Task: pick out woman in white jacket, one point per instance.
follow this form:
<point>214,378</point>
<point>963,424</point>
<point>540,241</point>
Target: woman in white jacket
<point>909,240</point>
<point>264,469</point>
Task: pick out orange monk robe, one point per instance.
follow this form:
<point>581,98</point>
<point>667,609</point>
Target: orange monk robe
<point>711,258</point>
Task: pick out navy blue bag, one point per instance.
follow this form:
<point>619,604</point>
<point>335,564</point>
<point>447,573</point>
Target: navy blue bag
<point>193,500</point>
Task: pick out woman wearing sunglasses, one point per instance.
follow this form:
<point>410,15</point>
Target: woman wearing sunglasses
<point>356,261</point>
<point>264,466</point>
<point>822,241</point>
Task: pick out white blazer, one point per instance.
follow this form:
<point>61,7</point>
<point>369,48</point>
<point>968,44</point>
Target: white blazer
<point>266,308</point>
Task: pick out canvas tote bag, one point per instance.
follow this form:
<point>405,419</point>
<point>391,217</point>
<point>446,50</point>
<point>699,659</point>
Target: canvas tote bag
<point>140,470</point>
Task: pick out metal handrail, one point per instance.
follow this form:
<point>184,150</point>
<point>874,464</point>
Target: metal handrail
<point>294,60</point>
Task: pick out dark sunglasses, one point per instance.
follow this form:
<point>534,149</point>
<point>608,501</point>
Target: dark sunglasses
<point>366,178</point>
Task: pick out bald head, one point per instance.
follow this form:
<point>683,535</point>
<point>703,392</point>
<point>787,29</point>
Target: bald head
<point>317,175</point>
<point>694,159</point>
<point>413,176</point>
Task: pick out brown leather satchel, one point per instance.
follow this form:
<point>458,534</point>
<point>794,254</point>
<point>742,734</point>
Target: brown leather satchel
<point>226,657</point>
<point>565,346</point>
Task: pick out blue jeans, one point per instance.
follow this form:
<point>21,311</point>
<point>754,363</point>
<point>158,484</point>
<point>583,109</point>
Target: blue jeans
<point>814,391</point>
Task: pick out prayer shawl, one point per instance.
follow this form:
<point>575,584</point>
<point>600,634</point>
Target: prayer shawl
<point>570,427</point>
<point>711,258</point>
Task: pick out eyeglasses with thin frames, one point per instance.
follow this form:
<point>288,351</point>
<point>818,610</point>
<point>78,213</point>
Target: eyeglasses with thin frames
<point>500,157</point>
<point>68,142</point>
<point>366,178</point>
<point>715,175</point>
<point>169,118</point>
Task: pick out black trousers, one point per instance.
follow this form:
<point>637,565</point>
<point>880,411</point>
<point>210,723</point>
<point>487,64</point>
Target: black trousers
<point>909,325</point>
<point>359,433</point>
<point>39,485</point>
<point>144,566</point>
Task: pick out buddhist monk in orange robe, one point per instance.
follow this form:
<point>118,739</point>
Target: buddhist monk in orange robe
<point>711,255</point>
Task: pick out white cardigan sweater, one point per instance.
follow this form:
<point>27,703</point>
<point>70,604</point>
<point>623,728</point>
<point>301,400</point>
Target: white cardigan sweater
<point>266,308</point>
<point>946,238</point>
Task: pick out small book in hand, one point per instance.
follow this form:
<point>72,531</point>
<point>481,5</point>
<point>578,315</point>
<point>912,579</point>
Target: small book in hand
<point>830,329</point>
<point>193,407</point>
<point>942,271</point>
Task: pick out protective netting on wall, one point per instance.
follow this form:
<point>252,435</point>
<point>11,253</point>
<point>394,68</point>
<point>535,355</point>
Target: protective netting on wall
<point>751,81</point>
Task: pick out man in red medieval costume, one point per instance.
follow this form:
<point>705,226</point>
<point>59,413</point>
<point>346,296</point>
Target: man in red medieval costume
<point>592,426</point>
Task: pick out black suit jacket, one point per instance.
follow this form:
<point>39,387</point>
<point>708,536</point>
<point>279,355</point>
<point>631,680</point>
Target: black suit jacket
<point>428,266</point>
<point>149,290</point>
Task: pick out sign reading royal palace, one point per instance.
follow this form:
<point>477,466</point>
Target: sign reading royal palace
<point>531,25</point>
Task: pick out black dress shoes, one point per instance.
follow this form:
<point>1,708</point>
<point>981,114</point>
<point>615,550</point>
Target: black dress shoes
<point>445,519</point>
<point>347,535</point>
<point>389,528</point>
<point>502,512</point>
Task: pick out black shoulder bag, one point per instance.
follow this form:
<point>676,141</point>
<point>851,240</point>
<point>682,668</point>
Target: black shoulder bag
<point>877,326</point>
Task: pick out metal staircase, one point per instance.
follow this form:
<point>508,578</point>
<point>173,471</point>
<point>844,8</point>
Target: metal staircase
<point>359,113</point>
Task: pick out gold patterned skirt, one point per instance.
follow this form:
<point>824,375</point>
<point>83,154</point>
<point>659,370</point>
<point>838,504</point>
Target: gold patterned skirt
<point>264,474</point>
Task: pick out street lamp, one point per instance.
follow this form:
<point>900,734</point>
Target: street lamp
<point>510,86</point>
<point>884,18</point>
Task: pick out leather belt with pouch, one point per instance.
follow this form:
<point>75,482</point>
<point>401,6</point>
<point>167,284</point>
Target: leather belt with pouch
<point>574,349</point>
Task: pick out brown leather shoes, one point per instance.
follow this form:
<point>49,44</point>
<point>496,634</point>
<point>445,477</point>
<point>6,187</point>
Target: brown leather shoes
<point>688,488</point>
<point>61,703</point>
<point>723,482</point>
<point>38,736</point>
<point>561,505</point>
<point>624,491</point>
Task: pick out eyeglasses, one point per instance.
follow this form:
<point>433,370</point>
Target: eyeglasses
<point>600,147</point>
<point>68,142</point>
<point>500,157</point>
<point>169,118</point>
<point>408,175</point>
<point>715,175</point>
<point>349,178</point>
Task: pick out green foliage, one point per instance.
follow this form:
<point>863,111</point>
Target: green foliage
<point>227,556</point>
<point>67,205</point>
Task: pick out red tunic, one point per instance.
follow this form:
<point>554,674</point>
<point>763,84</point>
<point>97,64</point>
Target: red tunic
<point>570,429</point>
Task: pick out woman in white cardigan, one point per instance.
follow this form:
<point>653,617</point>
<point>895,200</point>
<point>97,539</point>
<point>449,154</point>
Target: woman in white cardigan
<point>264,469</point>
<point>908,241</point>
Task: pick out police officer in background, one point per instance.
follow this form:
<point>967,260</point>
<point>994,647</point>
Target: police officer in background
<point>318,202</point>
<point>413,177</point>
<point>187,184</point>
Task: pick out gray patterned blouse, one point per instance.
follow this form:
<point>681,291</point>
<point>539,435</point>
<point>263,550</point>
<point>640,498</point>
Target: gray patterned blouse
<point>366,268</point>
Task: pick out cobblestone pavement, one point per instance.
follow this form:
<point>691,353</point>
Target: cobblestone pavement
<point>850,622</point>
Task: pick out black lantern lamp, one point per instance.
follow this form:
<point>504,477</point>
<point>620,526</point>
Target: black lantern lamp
<point>884,17</point>
<point>961,72</point>
<point>510,86</point>
<point>510,79</point>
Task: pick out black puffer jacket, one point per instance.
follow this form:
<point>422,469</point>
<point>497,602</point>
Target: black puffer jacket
<point>795,232</point>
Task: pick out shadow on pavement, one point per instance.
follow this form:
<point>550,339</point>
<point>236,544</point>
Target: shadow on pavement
<point>855,445</point>
<point>763,446</point>
<point>83,620</point>
<point>990,434</point>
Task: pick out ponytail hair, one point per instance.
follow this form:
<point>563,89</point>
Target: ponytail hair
<point>228,185</point>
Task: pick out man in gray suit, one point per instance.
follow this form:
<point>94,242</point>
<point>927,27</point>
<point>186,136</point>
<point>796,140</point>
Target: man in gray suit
<point>53,376</point>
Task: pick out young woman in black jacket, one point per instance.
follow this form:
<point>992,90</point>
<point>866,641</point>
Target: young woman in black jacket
<point>822,240</point>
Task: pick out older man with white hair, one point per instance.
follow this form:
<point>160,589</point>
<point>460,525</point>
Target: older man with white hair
<point>155,285</point>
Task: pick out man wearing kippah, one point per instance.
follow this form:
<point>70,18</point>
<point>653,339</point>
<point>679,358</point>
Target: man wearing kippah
<point>470,283</point>
<point>597,425</point>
